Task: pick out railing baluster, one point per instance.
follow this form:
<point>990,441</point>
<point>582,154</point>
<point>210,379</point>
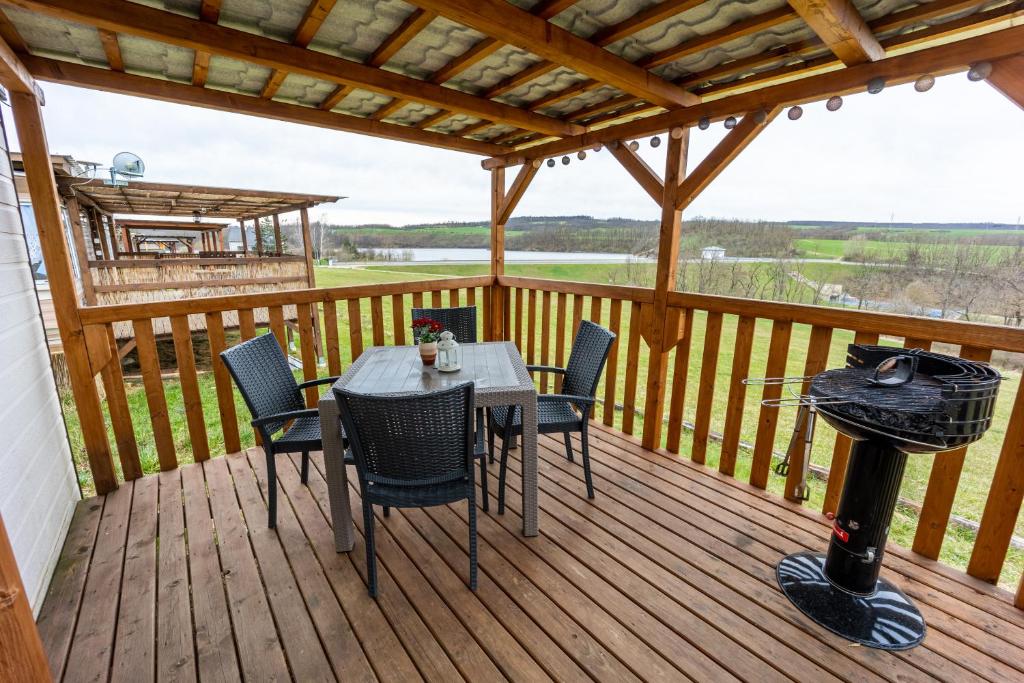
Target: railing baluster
<point>471,296</point>
<point>706,387</point>
<point>453,297</point>
<point>191,400</point>
<point>487,314</point>
<point>545,338</point>
<point>275,315</point>
<point>817,358</point>
<point>307,347</point>
<point>247,324</point>
<point>767,422</point>
<point>355,328</point>
<point>506,313</point>
<point>120,412</point>
<point>417,299</point>
<point>377,320</point>
<point>560,338</point>
<point>596,304</point>
<point>680,375</point>
<point>612,371</point>
<point>942,485</point>
<point>222,380</point>
<point>435,298</point>
<point>632,361</point>
<point>145,344</point>
<point>841,449</point>
<point>531,328</point>
<point>577,315</point>
<point>737,394</point>
<point>520,293</point>
<point>331,340</point>
<point>398,318</point>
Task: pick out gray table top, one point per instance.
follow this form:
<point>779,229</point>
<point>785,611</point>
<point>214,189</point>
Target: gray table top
<point>496,369</point>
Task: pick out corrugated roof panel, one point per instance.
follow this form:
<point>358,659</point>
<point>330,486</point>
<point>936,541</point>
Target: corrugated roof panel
<point>553,81</point>
<point>271,18</point>
<point>149,57</point>
<point>56,38</point>
<point>587,17</point>
<point>362,103</point>
<point>304,90</point>
<point>494,69</point>
<point>231,74</point>
<point>434,47</point>
<point>585,99</point>
<point>412,113</point>
<point>355,28</point>
<point>189,8</point>
<point>455,123</point>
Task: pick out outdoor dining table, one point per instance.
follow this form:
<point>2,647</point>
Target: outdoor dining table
<point>500,378</point>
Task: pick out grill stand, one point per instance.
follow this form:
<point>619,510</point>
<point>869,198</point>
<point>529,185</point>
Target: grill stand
<point>841,590</point>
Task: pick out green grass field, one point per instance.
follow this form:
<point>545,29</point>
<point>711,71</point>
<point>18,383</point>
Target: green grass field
<point>969,502</point>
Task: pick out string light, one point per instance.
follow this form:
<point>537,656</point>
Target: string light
<point>795,112</point>
<point>655,141</point>
<point>597,147</point>
<point>979,71</point>
<point>760,116</point>
<point>581,155</point>
<point>704,123</point>
<point>834,103</point>
<point>551,163</point>
<point>876,85</point>
<point>565,161</point>
<point>634,146</point>
<point>730,123</point>
<point>924,83</point>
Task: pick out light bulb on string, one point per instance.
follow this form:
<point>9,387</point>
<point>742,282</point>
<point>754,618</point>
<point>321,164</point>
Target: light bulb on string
<point>597,147</point>
<point>876,85</point>
<point>979,71</point>
<point>834,103</point>
<point>565,161</point>
<point>655,141</point>
<point>760,116</point>
<point>795,112</point>
<point>924,83</point>
<point>581,155</point>
<point>551,163</point>
<point>634,146</point>
<point>730,123</point>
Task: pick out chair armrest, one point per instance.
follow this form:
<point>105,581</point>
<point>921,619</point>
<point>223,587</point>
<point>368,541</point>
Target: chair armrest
<point>546,368</point>
<point>285,417</point>
<point>562,398</point>
<point>314,382</point>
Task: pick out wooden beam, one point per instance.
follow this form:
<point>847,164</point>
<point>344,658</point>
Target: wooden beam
<point>722,155</point>
<point>400,37</point>
<point>307,246</point>
<point>129,84</point>
<point>277,233</point>
<point>841,27</point>
<point>112,49</point>
<point>312,20</point>
<point>22,657</point>
<point>656,326</point>
<point>641,172</point>
<point>14,75</point>
<point>904,68</point>
<point>209,11</point>
<point>78,237</point>
<point>1008,78</point>
<point>493,331</point>
<point>28,120</point>
<point>131,18</point>
<point>9,34</point>
<point>512,25</point>
<point>335,97</point>
<point>514,194</point>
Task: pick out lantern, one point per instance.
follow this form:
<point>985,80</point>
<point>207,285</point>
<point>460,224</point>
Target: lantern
<point>448,353</point>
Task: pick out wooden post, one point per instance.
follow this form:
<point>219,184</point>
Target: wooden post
<point>497,254</point>
<point>128,240</point>
<point>22,657</point>
<point>259,237</point>
<point>277,234</point>
<point>28,120</point>
<point>96,223</point>
<point>307,250</point>
<point>108,221</point>
<point>659,337</point>
<point>245,239</point>
<point>75,216</point>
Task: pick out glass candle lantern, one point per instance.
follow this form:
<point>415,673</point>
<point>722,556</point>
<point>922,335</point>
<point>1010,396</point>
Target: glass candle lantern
<point>448,353</point>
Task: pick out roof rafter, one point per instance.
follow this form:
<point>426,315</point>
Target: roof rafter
<point>417,20</point>
<point>842,28</point>
<point>112,49</point>
<point>1008,78</point>
<point>132,18</point>
<point>314,17</point>
<point>209,11</point>
<point>69,73</point>
<point>510,24</point>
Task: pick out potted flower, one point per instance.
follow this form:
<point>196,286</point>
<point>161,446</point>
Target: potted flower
<point>428,331</point>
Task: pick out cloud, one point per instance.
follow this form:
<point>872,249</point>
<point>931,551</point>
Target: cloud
<point>952,154</point>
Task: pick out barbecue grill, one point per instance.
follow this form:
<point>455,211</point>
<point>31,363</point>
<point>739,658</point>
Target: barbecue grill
<point>891,402</point>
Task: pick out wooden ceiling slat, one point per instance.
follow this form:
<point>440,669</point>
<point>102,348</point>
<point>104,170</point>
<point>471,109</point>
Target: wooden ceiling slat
<point>399,38</point>
<point>209,11</point>
<point>655,14</point>
<point>506,22</point>
<point>335,97</point>
<point>129,17</point>
<point>112,49</point>
<point>923,12</point>
<point>840,26</point>
<point>314,17</point>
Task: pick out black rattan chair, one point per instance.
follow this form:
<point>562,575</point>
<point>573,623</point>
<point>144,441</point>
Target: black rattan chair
<point>265,380</point>
<point>461,321</point>
<point>563,413</point>
<point>411,452</point>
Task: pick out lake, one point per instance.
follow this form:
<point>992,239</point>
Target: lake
<point>438,255</point>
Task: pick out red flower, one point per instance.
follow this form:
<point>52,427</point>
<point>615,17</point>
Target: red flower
<point>429,324</point>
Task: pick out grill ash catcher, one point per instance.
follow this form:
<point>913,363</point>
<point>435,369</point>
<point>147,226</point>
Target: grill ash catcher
<point>891,402</point>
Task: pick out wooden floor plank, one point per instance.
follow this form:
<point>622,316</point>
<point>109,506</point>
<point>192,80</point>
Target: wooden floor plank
<point>59,613</point>
<point>89,658</point>
<point>339,641</point>
<point>216,658</point>
<point>134,644</point>
<point>259,648</point>
<point>175,651</point>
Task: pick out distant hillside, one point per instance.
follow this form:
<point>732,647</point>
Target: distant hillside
<point>853,225</point>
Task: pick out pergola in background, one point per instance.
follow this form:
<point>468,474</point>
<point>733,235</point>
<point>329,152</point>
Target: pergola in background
<point>517,83</point>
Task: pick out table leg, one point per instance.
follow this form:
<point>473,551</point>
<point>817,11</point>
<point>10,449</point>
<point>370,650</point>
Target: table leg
<point>337,477</point>
<point>529,475</point>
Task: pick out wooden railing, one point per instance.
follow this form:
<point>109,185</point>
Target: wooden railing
<point>709,413</point>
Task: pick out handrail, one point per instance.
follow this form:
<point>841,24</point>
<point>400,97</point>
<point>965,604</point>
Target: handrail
<point>644,295</point>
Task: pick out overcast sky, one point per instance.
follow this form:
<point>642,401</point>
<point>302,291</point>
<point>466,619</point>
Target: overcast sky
<point>955,153</point>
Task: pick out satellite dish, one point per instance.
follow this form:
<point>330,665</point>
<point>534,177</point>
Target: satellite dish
<point>128,164</point>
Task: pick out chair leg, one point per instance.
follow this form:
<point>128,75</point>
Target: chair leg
<point>271,490</point>
<point>568,447</point>
<point>483,484</point>
<point>586,460</point>
<point>304,475</point>
<point>472,544</point>
<point>387,511</point>
<point>371,551</point>
<point>502,468</point>
<point>490,445</point>
<point>480,422</point>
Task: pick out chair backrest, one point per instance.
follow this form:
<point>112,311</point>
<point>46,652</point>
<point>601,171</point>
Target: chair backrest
<point>587,359</point>
<point>410,440</point>
<point>264,378</point>
<point>460,321</point>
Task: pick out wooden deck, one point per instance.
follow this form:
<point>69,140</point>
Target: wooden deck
<point>668,574</point>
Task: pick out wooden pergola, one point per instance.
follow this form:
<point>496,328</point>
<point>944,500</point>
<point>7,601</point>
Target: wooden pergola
<point>515,85</point>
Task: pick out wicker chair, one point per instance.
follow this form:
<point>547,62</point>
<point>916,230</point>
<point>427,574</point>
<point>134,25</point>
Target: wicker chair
<point>461,321</point>
<point>265,380</point>
<point>410,452</point>
<point>563,413</point>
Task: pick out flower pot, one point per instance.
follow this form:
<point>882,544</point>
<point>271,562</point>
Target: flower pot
<point>428,352</point>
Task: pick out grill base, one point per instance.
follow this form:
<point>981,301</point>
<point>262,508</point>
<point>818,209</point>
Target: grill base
<point>886,620</point>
